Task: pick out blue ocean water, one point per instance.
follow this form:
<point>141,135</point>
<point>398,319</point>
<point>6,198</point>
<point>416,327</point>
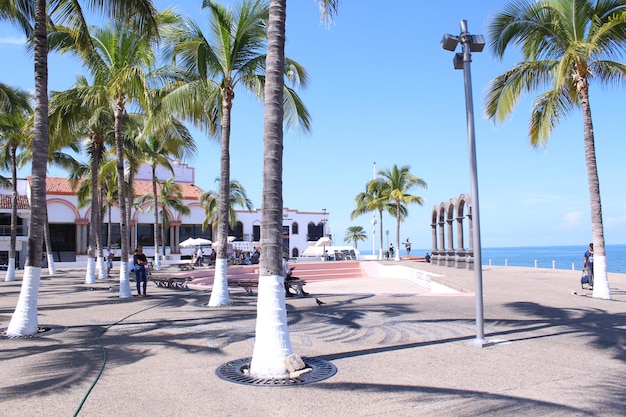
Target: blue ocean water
<point>563,256</point>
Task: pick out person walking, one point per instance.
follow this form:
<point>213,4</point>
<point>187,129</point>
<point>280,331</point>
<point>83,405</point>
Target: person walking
<point>391,250</point>
<point>407,245</point>
<point>108,257</point>
<point>588,264</point>
<point>141,275</point>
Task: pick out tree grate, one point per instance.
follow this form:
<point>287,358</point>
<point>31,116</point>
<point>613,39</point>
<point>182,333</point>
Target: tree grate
<point>41,331</point>
<point>234,371</point>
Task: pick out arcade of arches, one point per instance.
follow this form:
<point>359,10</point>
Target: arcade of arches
<point>447,218</point>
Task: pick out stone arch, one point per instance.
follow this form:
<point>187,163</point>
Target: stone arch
<point>447,217</point>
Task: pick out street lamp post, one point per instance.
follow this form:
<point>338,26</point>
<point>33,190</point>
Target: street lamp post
<point>387,233</point>
<point>471,43</point>
<point>374,235</point>
<point>323,222</point>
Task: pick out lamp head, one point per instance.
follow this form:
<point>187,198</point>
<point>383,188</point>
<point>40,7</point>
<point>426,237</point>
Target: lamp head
<point>477,44</point>
<point>449,42</point>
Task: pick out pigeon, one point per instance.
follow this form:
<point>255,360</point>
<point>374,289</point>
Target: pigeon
<point>319,302</point>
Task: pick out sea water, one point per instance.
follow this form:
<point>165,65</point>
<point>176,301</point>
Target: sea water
<point>558,257</point>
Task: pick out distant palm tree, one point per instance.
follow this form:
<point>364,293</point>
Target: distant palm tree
<point>210,200</point>
<point>373,199</point>
<point>15,130</point>
<point>169,197</point>
<point>397,183</point>
<point>355,234</point>
<point>565,45</point>
<point>272,344</point>
<point>161,141</point>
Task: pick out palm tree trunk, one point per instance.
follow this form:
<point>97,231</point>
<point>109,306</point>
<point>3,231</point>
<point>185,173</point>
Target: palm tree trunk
<point>46,239</point>
<point>157,263</point>
<point>219,294</point>
<point>397,257</point>
<point>272,343</point>
<point>121,184</point>
<point>102,269</point>
<point>601,280</point>
<point>24,320</point>
<point>10,276</point>
<point>90,277</point>
<point>380,254</point>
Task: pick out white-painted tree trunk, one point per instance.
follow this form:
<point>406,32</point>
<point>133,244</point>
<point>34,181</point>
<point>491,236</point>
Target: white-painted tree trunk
<point>90,275</point>
<point>10,276</point>
<point>157,262</point>
<point>600,278</point>
<point>102,268</point>
<point>24,319</point>
<point>124,281</point>
<point>272,343</point>
<point>51,268</point>
<point>219,293</point>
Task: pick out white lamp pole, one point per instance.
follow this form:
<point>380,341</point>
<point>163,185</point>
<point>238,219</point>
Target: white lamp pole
<point>374,235</point>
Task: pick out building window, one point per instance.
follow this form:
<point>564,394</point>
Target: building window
<point>294,228</point>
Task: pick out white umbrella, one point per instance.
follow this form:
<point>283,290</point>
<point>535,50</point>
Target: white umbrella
<point>188,243</point>
<point>200,241</point>
<point>323,241</point>
<point>231,238</point>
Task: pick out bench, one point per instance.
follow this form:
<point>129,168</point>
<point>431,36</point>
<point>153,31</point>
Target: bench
<point>185,266</point>
<point>248,284</point>
<point>170,282</point>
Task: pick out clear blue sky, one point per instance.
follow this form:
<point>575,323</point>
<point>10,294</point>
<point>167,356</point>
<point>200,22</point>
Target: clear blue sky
<point>383,90</point>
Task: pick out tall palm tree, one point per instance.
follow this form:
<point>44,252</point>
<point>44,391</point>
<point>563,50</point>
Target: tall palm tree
<point>272,343</point>
<point>232,57</point>
<point>83,112</point>
<point>565,45</point>
<point>15,128</point>
<point>397,183</point>
<point>32,16</point>
<point>355,234</point>
<point>120,64</point>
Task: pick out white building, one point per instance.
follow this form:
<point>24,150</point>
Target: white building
<point>69,224</point>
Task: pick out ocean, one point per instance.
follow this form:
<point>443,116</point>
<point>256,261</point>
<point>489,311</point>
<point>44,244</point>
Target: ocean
<point>562,256</point>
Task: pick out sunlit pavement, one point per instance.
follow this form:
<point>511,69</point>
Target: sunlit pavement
<point>400,349</point>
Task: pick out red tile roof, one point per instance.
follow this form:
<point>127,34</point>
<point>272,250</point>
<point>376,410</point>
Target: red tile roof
<point>22,202</point>
<point>62,186</point>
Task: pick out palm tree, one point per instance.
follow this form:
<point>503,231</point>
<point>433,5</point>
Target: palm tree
<point>565,45</point>
<point>24,320</point>
<point>170,196</point>
<point>120,65</point>
<point>210,200</point>
<point>354,234</point>
<point>83,112</point>
<point>170,139</point>
<point>272,343</point>
<point>373,199</point>
<point>233,57</point>
<point>15,128</point>
<point>397,182</point>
